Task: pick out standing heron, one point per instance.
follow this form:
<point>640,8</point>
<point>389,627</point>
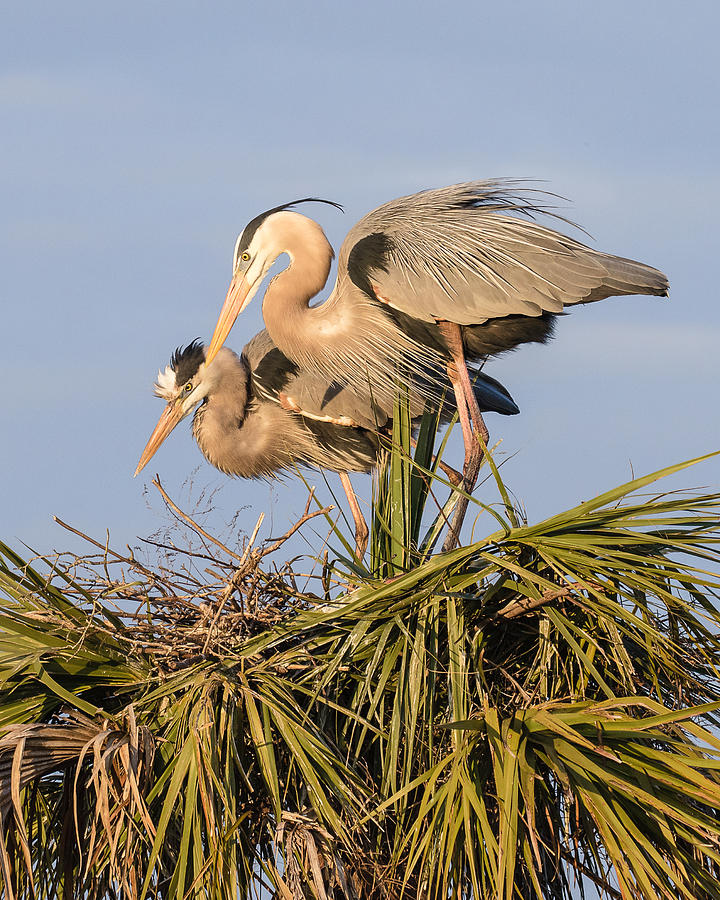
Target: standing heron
<point>424,283</point>
<point>248,422</point>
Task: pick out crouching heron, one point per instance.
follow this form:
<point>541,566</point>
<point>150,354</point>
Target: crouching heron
<point>258,414</point>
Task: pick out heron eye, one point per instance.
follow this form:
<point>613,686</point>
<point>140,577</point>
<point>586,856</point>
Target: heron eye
<point>188,387</point>
<point>245,257</point>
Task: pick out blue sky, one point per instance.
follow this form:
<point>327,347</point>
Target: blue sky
<point>138,139</point>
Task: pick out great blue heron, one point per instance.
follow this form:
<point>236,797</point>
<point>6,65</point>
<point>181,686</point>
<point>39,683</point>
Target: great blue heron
<point>248,422</point>
<point>427,281</point>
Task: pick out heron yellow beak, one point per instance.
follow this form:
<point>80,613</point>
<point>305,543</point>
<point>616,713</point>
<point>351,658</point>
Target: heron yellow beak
<point>172,414</point>
<point>235,302</point>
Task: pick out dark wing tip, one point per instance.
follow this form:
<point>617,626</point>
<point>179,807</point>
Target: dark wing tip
<point>492,396</point>
<point>369,254</point>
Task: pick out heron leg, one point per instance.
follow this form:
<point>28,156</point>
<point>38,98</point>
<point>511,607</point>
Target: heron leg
<point>453,338</point>
<point>471,465</point>
<point>361,530</point>
<point>468,410</point>
<point>454,477</point>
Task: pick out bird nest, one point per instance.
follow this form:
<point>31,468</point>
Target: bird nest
<point>197,602</point>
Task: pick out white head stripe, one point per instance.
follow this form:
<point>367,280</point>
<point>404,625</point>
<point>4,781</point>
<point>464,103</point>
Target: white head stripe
<point>235,252</point>
<point>166,386</point>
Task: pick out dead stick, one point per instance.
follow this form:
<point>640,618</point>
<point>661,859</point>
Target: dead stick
<point>191,522</point>
<point>527,604</point>
<point>288,534</point>
<point>241,569</point>
<point>233,581</point>
<point>130,560</point>
<point>92,541</point>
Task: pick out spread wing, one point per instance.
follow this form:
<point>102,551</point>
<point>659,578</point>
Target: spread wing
<point>472,252</point>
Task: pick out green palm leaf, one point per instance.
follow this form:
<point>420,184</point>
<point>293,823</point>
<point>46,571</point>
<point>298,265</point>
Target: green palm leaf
<point>536,710</point>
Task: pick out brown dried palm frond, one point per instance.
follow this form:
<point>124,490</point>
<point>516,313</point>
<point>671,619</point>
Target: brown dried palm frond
<point>106,773</point>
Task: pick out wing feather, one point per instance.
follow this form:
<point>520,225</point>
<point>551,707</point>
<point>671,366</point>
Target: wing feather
<point>456,253</point>
<point>273,375</point>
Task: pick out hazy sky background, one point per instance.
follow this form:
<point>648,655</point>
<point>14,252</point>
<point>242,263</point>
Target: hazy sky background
<point>137,139</point>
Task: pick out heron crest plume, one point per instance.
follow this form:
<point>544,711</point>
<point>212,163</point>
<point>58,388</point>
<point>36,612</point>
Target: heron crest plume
<point>248,233</point>
<point>184,365</point>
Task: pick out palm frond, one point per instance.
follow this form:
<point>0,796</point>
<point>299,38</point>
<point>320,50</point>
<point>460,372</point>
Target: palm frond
<point>530,713</point>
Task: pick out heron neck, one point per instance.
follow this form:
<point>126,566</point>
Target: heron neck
<point>217,421</point>
<point>286,306</point>
<point>349,337</point>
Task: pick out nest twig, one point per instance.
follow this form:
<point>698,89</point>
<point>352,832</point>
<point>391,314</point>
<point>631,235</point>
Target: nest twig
<point>181,616</point>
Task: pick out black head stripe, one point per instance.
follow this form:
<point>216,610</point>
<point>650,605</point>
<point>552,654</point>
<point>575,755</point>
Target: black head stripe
<point>250,229</point>
<point>186,361</point>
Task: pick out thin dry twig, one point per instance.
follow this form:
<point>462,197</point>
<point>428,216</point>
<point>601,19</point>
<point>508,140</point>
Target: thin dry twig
<point>131,561</point>
<point>232,586</point>
<point>191,522</point>
<point>181,617</point>
<point>306,516</point>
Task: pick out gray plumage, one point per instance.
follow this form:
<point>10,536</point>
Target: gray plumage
<point>424,284</point>
<point>470,254</point>
<point>248,422</point>
<point>455,254</point>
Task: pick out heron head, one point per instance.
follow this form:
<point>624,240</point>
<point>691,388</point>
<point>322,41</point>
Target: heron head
<point>266,237</point>
<point>184,384</point>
